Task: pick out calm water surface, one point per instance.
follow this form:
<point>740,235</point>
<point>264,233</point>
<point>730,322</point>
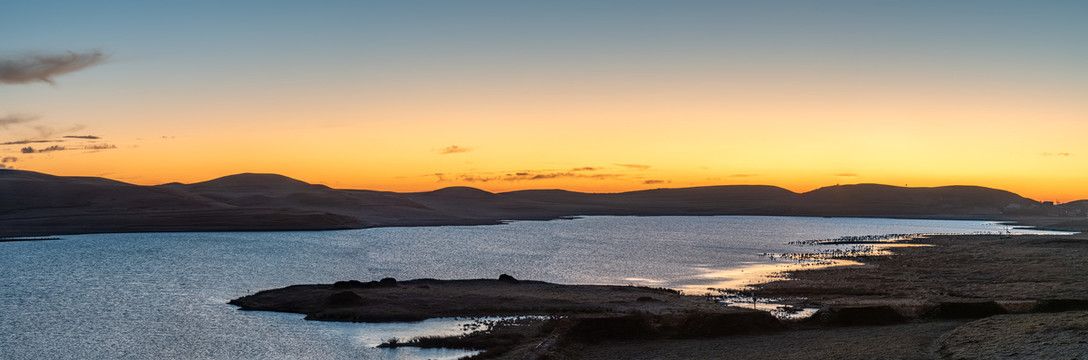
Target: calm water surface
<point>163,295</point>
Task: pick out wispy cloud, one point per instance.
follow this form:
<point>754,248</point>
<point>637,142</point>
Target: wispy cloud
<point>743,175</point>
<point>8,159</point>
<point>100,147</point>
<point>1057,154</point>
<point>49,131</point>
<point>846,175</point>
<point>44,132</point>
<point>620,171</point>
<point>634,166</point>
<point>31,149</point>
<point>453,149</point>
<point>13,119</point>
<point>522,176</point>
<point>25,142</point>
<point>52,148</point>
<point>43,67</point>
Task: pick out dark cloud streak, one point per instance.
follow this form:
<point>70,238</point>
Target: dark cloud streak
<point>524,176</point>
<point>92,147</point>
<point>25,142</point>
<point>43,67</point>
<point>52,148</point>
<point>100,147</point>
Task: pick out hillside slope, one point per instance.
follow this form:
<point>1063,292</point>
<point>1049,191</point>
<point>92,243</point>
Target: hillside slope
<point>39,204</point>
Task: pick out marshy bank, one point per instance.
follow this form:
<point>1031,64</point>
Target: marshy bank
<point>964,297</point>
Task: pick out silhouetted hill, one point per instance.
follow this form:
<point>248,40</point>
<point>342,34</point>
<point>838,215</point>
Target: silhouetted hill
<point>875,199</point>
<point>34,204</point>
<point>1079,206</point>
<point>27,192</point>
<point>37,204</point>
<point>368,208</point>
<point>725,200</point>
<point>480,205</point>
<point>249,183</point>
<point>462,192</point>
<point>717,200</point>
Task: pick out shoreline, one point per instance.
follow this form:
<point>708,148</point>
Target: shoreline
<point>960,296</point>
<point>1069,224</point>
<point>943,263</point>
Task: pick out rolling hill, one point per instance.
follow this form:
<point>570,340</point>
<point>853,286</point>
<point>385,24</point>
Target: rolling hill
<point>34,204</point>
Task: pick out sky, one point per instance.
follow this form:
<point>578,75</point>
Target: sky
<point>600,96</point>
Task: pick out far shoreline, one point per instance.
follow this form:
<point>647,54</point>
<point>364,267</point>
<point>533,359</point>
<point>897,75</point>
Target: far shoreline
<point>1064,224</point>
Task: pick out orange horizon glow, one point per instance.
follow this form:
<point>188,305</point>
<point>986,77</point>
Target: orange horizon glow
<point>424,183</point>
<point>640,147</point>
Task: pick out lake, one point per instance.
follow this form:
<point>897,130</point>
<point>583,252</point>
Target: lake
<point>164,295</point>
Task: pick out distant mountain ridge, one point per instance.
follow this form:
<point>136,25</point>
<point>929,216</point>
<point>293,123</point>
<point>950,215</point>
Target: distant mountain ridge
<point>39,204</point>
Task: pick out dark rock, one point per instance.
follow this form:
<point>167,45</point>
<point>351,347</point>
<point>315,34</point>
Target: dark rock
<point>356,284</point>
<point>1058,305</point>
<point>630,327</point>
<point>702,325</point>
<point>343,299</point>
<point>967,309</point>
<point>859,315</point>
<point>647,299</point>
<point>347,284</point>
<point>508,279</point>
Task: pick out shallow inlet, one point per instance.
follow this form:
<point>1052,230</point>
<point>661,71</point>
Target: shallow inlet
<point>740,278</point>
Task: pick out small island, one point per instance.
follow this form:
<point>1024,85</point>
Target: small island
<point>415,300</point>
<point>558,314</point>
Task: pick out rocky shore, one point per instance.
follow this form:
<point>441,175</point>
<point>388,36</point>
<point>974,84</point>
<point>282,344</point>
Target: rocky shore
<point>960,297</point>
